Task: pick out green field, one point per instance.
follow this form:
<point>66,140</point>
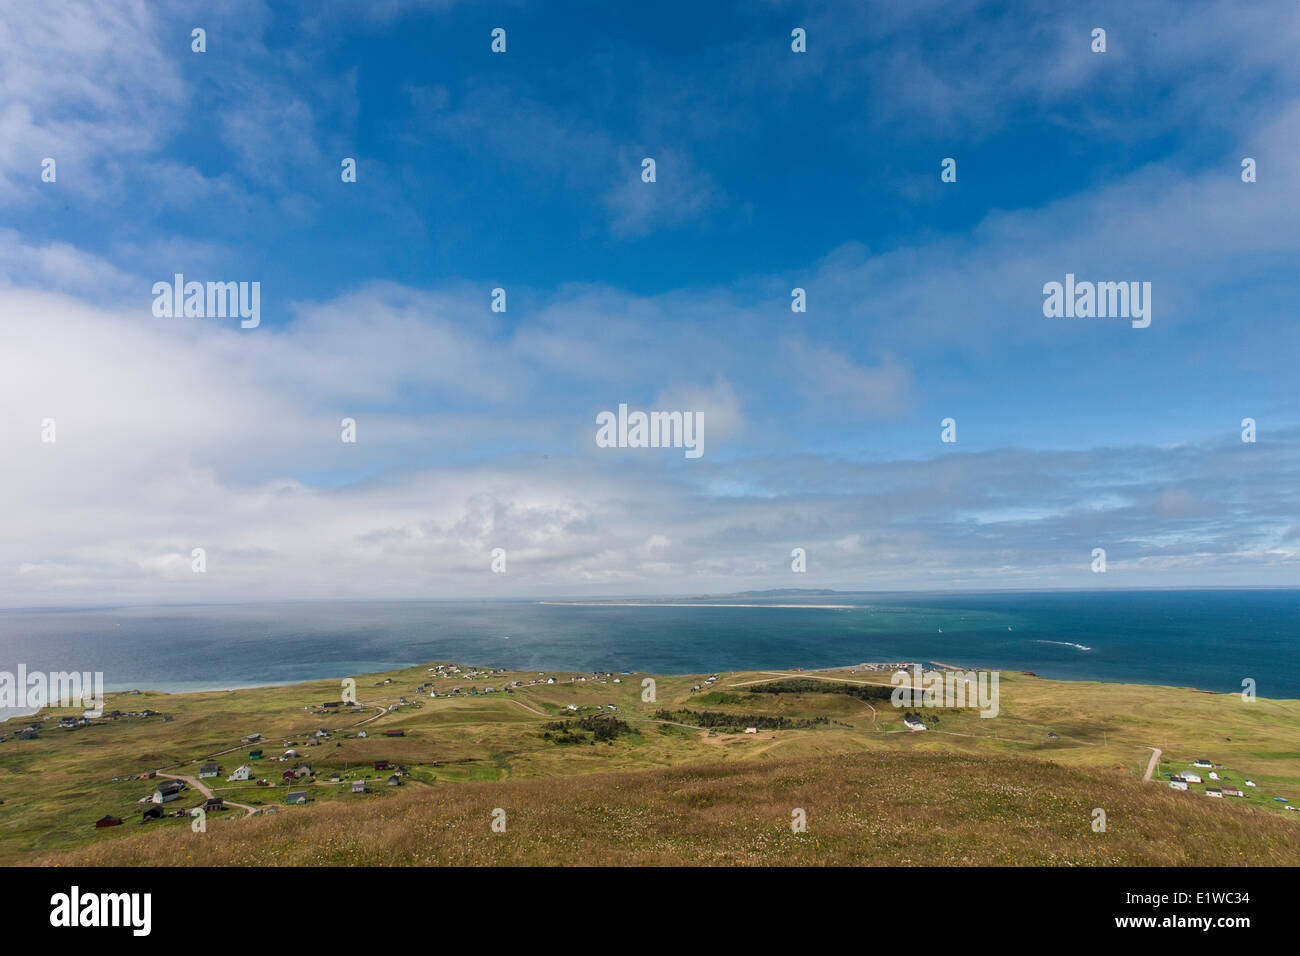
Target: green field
<point>466,751</point>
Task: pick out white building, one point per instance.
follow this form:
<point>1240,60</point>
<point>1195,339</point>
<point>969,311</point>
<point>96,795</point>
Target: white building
<point>243,773</point>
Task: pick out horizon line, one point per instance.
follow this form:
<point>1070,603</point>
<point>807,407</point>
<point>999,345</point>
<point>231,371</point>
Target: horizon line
<point>607,599</point>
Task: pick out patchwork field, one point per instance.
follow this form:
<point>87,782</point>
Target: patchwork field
<point>673,780</point>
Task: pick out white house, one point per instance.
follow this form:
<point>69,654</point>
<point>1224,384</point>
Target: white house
<point>1213,792</point>
<point>1250,783</point>
<point>361,734</point>
<point>167,791</point>
<point>751,730</point>
<point>243,773</point>
<point>912,723</point>
<point>1191,778</point>
<point>1204,764</point>
<point>1213,775</point>
<point>1178,784</point>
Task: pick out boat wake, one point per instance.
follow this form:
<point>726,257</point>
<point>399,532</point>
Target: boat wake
<point>1082,647</point>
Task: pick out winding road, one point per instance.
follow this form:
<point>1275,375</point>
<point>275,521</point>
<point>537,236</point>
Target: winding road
<point>208,794</point>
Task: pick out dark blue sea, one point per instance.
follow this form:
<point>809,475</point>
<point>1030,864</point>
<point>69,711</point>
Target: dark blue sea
<point>1209,639</point>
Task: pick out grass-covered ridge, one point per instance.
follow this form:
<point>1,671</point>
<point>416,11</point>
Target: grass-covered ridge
<point>888,808</point>
<point>1055,747</point>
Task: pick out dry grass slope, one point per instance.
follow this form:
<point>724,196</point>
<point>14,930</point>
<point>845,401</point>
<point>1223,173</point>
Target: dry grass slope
<point>900,808</point>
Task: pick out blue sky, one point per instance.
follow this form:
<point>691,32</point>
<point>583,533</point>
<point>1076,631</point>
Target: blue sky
<point>774,169</point>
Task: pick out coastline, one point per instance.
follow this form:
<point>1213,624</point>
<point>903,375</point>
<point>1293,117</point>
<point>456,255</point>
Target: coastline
<point>788,671</point>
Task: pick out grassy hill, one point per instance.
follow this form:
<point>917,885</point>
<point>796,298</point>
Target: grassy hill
<point>619,779</point>
<point>920,808</point>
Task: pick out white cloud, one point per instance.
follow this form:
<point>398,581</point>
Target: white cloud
<point>174,435</point>
<point>85,83</point>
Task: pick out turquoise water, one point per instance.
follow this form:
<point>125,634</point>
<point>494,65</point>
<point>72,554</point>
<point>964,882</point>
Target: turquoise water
<point>1205,639</point>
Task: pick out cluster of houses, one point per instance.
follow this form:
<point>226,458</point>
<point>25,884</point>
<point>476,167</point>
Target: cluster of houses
<point>117,714</point>
<point>395,779</point>
<point>166,792</point>
<point>1180,781</point>
<point>33,730</point>
<point>473,691</point>
<point>451,670</point>
<point>887,668</point>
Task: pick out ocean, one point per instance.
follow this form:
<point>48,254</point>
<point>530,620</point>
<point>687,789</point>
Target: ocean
<point>1208,639</point>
